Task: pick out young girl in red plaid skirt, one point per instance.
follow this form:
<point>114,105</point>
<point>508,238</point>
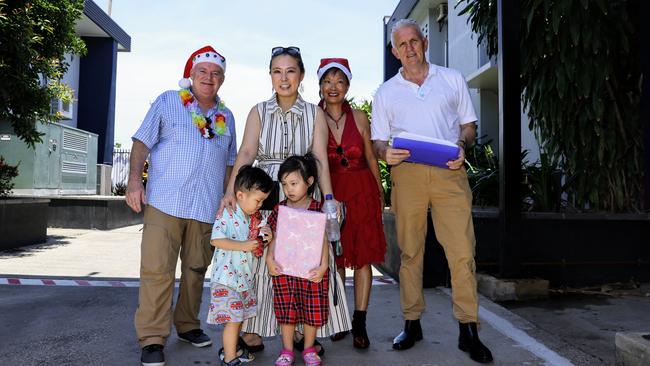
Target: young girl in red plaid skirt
<point>298,300</point>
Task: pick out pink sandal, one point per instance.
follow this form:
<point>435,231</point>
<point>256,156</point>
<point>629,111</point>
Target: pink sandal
<point>285,358</point>
<point>310,356</point>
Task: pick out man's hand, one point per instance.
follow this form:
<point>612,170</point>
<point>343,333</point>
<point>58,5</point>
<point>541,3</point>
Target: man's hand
<point>396,156</point>
<point>135,195</point>
<point>458,163</point>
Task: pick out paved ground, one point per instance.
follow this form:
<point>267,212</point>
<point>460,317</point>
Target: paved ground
<point>589,320</point>
<point>91,325</point>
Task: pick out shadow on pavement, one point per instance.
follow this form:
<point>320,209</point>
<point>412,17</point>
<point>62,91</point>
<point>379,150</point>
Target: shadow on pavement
<point>53,241</point>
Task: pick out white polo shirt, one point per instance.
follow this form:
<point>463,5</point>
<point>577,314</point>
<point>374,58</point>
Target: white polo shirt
<point>435,109</point>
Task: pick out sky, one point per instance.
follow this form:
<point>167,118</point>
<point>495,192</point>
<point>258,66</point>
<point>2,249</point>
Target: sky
<point>164,33</point>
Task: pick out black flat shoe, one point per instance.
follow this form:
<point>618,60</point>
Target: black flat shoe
<point>406,339</point>
<point>468,341</point>
<point>339,336</point>
<point>251,348</point>
<point>300,346</point>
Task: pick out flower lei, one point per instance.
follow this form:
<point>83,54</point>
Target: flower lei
<point>200,121</point>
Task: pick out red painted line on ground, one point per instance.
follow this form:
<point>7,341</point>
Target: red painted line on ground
<point>130,283</point>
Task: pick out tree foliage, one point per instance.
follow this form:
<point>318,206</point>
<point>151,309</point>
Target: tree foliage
<point>35,35</point>
<point>7,174</point>
<point>581,85</point>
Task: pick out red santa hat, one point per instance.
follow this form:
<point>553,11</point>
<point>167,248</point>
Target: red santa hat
<point>205,54</point>
<point>340,63</point>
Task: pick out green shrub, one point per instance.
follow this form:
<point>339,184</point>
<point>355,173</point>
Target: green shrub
<point>7,174</point>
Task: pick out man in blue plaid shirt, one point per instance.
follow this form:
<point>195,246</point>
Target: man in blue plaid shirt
<point>189,136</point>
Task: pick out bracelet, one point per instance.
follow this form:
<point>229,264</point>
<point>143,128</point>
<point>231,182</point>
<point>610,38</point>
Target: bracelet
<point>461,141</point>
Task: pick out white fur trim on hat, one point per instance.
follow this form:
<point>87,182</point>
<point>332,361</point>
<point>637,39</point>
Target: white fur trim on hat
<point>339,66</point>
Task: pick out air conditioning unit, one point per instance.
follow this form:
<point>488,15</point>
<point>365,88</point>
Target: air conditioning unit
<point>61,108</point>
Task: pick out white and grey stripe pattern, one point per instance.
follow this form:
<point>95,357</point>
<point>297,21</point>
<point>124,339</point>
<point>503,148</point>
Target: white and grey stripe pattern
<point>186,171</point>
<point>283,134</point>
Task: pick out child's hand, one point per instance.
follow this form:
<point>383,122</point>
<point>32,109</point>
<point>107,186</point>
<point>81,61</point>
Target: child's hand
<point>273,266</point>
<point>316,274</point>
<point>267,234</point>
<point>248,245</point>
<point>259,250</point>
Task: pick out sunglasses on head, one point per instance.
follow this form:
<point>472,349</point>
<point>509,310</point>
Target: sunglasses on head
<point>344,160</point>
<point>291,50</point>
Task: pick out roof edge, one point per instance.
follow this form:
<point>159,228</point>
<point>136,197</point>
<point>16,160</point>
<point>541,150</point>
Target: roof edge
<point>108,25</point>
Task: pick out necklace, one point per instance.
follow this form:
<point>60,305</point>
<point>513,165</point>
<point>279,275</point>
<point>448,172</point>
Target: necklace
<point>336,120</point>
<point>306,205</point>
<point>202,122</point>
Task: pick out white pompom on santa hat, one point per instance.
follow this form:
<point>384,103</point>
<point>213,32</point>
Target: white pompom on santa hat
<point>204,54</point>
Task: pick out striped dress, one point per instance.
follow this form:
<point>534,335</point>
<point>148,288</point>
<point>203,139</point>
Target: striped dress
<point>283,134</point>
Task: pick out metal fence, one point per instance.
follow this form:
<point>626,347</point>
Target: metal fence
<point>120,174</point>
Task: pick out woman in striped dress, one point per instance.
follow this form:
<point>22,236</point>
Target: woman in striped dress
<point>280,127</point>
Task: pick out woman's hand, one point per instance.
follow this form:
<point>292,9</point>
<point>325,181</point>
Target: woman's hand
<point>267,234</point>
<point>273,267</point>
<point>316,274</point>
<point>339,211</point>
<point>229,202</point>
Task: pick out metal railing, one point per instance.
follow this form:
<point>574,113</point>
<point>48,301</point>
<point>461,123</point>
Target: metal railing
<point>120,174</point>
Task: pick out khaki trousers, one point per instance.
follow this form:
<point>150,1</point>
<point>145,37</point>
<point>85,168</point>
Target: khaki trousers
<point>164,236</point>
<point>416,188</point>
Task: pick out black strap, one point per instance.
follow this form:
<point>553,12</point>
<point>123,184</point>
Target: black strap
<point>335,285</point>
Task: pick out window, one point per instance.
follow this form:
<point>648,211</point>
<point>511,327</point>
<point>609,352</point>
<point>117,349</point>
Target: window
<point>61,108</point>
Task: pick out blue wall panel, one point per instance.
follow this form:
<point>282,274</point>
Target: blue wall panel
<point>97,94</point>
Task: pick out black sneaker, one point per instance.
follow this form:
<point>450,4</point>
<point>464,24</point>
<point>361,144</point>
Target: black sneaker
<point>243,355</point>
<point>152,355</point>
<point>196,337</point>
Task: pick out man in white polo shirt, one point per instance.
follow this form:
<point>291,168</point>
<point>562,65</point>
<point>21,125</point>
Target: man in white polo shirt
<point>432,101</point>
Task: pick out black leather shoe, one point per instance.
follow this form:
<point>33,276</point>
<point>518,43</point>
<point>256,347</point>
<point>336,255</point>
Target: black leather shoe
<point>412,333</point>
<point>359,333</point>
<point>468,341</point>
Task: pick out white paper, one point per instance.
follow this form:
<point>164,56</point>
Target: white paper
<point>416,137</point>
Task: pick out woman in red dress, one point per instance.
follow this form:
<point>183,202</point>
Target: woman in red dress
<point>355,181</point>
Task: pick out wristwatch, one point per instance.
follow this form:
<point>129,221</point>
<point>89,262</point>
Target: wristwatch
<point>462,143</point>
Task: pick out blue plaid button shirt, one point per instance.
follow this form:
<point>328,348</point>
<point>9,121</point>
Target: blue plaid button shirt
<point>186,171</point>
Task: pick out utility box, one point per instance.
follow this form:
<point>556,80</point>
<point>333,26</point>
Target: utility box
<point>65,163</point>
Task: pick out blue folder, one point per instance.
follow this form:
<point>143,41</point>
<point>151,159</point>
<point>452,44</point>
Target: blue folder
<point>429,153</point>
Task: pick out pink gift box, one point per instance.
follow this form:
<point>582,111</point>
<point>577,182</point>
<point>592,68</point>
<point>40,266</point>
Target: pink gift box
<point>299,240</point>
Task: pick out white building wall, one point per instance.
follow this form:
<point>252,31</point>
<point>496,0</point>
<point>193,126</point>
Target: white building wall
<point>455,46</point>
<point>463,56</point>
